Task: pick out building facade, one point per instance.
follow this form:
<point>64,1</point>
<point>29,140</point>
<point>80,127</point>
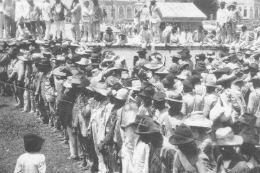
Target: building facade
<point>250,8</point>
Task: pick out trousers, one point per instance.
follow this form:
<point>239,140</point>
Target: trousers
<point>96,30</point>
<point>75,31</point>
<point>60,27</point>
<point>48,29</point>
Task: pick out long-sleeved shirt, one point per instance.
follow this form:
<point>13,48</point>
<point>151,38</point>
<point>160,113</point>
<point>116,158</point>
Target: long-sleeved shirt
<point>198,37</point>
<point>253,106</point>
<point>58,11</point>
<point>209,102</point>
<point>141,158</point>
<point>19,70</point>
<point>20,10</point>
<point>9,8</point>
<point>191,102</point>
<point>31,163</point>
<point>222,16</point>
<point>97,14</point>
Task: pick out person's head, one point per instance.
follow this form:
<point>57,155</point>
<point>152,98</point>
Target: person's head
<point>30,2</point>
<point>57,1</point>
<point>244,28</point>
<point>86,3</point>
<point>256,84</point>
<point>159,100</point>
<point>210,89</point>
<point>213,32</point>
<point>145,27</point>
<point>95,2</point>
<point>232,7</point>
<point>109,30</point>
<point>174,30</point>
<point>222,5</point>
<point>200,28</point>
<point>76,1</point>
<point>227,152</point>
<point>33,143</point>
<point>153,2</point>
<point>247,149</point>
<point>190,147</point>
<point>99,97</point>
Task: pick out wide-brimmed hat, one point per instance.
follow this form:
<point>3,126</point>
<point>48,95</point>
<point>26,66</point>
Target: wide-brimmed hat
<point>249,135</point>
<point>68,83</point>
<point>200,67</point>
<point>197,119</point>
<point>188,83</point>
<point>233,4</point>
<point>211,81</point>
<point>226,79</point>
<point>222,2</point>
<point>80,80</point>
<point>147,126</point>
<point>176,56</point>
<point>248,119</point>
<point>248,52</point>
<point>147,92</point>
<point>101,88</point>
<point>45,50</point>
<point>255,79</point>
<point>135,85</point>
<point>183,135</point>
<point>244,26</point>
<point>153,66</point>
<point>83,61</point>
<point>117,66</point>
<point>109,29</point>
<point>162,71</point>
<point>122,94</point>
<point>61,58</point>
<point>224,70</point>
<point>226,137</point>
<point>174,96</point>
<point>184,75</point>
<point>254,66</point>
<point>61,71</point>
<point>24,56</point>
<point>80,51</point>
<point>159,96</point>
<point>201,56</point>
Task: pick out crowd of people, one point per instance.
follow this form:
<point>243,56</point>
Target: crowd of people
<point>186,116</point>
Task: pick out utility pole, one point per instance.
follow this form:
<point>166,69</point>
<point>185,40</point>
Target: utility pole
<point>112,12</point>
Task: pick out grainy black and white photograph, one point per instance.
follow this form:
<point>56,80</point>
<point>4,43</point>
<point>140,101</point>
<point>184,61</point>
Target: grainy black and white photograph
<point>129,86</point>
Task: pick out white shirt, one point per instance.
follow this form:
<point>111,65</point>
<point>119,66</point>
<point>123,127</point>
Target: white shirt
<point>186,37</point>
<point>46,11</point>
<point>31,163</point>
<point>86,14</point>
<point>1,7</point>
<point>141,158</point>
<point>222,16</point>
<point>20,10</point>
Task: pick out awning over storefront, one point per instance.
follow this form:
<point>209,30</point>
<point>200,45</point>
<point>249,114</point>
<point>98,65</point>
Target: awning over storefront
<point>181,12</point>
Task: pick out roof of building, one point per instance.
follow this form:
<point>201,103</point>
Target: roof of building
<point>181,11</point>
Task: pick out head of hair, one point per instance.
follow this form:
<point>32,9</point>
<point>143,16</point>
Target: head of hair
<point>33,143</point>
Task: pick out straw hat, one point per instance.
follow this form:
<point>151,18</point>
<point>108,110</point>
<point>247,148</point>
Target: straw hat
<point>197,119</point>
<point>174,96</point>
<point>211,81</point>
<point>60,58</point>
<point>101,88</point>
<point>226,137</point>
<point>122,94</point>
<point>24,56</point>
<point>159,96</point>
<point>135,85</point>
<point>83,61</point>
<point>153,66</point>
<point>80,51</point>
<point>183,135</point>
<point>162,71</point>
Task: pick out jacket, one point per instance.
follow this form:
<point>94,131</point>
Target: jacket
<point>76,13</point>
<point>58,11</point>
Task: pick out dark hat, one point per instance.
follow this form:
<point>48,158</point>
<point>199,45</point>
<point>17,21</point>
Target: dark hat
<point>187,82</point>
<point>147,126</point>
<point>222,2</point>
<point>255,79</point>
<point>257,55</point>
<point>174,96</point>
<point>201,56</point>
<point>249,135</point>
<point>224,70</point>
<point>176,56</point>
<point>174,69</point>
<point>225,79</point>
<point>97,49</point>
<point>12,51</point>
<point>142,51</point>
<point>184,50</point>
<point>147,92</point>
<point>244,26</point>
<point>182,135</point>
<point>169,79</point>
<point>248,119</point>
<point>200,67</point>
<point>109,29</point>
<point>159,96</point>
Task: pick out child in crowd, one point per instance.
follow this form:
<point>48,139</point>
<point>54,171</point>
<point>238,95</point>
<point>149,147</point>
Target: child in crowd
<point>31,161</point>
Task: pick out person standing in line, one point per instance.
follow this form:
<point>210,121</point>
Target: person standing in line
<point>34,18</point>
<point>1,19</point>
<point>9,9</point>
<point>75,19</point>
<point>221,22</point>
<point>20,12</point>
<point>86,19</point>
<point>58,11</point>
<point>47,17</point>
<point>96,20</point>
<point>156,16</point>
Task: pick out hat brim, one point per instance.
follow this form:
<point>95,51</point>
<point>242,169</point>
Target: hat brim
<point>206,123</point>
<point>138,132</point>
<point>148,66</point>
<point>79,63</point>
<point>237,140</point>
<point>23,59</point>
<point>134,88</point>
<point>185,140</point>
<point>173,100</point>
<point>211,85</point>
<point>66,84</point>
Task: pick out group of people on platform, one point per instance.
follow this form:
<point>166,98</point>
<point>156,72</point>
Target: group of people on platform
<point>147,116</point>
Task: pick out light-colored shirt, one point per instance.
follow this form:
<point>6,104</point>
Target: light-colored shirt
<point>141,158</point>
<point>20,10</point>
<point>46,11</point>
<point>186,37</point>
<point>146,36</point>
<point>1,7</point>
<point>253,106</point>
<point>222,16</point>
<point>86,14</point>
<point>31,163</point>
<point>155,18</point>
<point>174,38</point>
<point>9,8</point>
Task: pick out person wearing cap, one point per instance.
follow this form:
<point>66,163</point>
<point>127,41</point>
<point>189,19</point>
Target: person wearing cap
<point>226,156</point>
<point>75,11</point>
<point>86,19</point>
<point>189,158</point>
<point>155,20</point>
<point>141,59</point>
<point>97,17</point>
<point>198,36</point>
<point>186,36</point>
<point>222,14</point>
<point>146,36</point>
<point>109,37</point>
<point>234,17</point>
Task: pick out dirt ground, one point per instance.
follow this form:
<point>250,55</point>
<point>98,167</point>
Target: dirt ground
<point>14,125</point>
